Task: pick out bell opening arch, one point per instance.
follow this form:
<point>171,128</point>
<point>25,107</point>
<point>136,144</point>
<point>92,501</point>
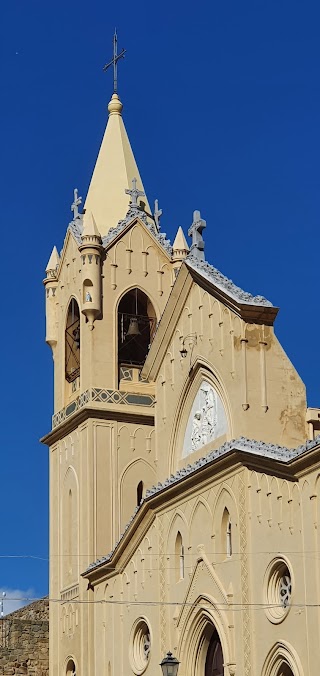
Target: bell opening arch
<point>136,327</point>
<point>72,341</point>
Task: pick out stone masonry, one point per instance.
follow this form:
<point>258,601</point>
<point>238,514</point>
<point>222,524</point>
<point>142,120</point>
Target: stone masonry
<point>24,641</point>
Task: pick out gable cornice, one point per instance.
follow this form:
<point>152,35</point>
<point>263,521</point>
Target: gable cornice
<point>229,458</point>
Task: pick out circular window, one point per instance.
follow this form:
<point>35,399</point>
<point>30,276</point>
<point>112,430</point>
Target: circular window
<point>278,590</point>
<point>140,646</point>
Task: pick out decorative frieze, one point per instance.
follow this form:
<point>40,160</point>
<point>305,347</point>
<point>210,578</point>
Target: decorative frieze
<point>102,396</point>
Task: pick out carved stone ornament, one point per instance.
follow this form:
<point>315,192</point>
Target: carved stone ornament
<point>207,419</point>
<point>137,212</point>
<point>217,278</point>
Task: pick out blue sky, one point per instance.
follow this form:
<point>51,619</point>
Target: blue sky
<point>222,107</point>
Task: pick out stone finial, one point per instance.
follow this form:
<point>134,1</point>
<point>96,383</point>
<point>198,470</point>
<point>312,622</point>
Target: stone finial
<point>180,247</point>
<point>53,263</point>
<point>115,106</point>
<point>89,226</point>
<point>195,231</point>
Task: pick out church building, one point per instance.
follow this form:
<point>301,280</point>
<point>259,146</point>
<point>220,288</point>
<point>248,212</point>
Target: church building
<point>184,462</point>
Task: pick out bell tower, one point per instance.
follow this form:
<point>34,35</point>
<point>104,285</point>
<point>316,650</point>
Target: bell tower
<point>105,294</point>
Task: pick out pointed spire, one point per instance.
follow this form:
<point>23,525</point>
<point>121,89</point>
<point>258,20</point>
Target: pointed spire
<point>180,247</point>
<point>114,171</point>
<point>53,263</point>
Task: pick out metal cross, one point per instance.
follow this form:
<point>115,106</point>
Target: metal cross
<point>114,61</point>
<point>157,214</point>
<point>76,203</point>
<point>134,193</point>
<point>195,231</point>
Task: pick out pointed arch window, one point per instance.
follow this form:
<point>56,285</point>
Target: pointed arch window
<point>226,533</point>
<point>136,328</point>
<point>139,492</point>
<point>179,557</point>
<point>72,342</point>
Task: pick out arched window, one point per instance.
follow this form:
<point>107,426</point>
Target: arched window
<point>71,668</point>
<point>179,557</point>
<point>139,492</point>
<point>70,526</point>
<point>136,328</point>
<point>226,533</point>
<point>72,342</point>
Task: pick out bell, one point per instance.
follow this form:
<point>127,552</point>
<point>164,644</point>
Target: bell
<point>133,329</point>
<point>76,334</point>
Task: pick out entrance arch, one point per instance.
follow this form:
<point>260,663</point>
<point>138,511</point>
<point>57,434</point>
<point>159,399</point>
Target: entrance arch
<point>204,648</point>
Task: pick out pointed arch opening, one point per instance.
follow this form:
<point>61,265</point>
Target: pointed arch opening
<point>226,533</point>
<point>214,655</point>
<point>136,329</point>
<point>139,492</point>
<point>71,668</point>
<point>285,670</point>
<point>207,658</point>
<point>179,557</point>
<point>72,342</point>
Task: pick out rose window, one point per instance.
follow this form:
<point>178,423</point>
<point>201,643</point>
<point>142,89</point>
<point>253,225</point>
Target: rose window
<point>278,590</point>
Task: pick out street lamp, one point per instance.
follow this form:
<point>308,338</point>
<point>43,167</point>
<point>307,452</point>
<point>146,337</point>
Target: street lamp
<point>169,665</point>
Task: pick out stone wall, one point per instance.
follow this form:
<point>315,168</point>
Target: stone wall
<point>24,641</point>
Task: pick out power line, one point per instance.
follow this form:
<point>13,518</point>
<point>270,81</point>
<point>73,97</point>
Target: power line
<point>196,554</point>
<point>223,606</point>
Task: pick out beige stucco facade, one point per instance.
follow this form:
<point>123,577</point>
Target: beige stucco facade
<point>159,363</point>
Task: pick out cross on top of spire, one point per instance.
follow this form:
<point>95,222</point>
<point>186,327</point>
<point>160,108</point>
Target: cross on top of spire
<point>134,193</point>
<point>195,231</point>
<point>114,61</point>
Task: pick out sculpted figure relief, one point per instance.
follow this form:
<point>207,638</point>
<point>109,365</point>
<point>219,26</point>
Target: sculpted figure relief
<point>204,420</point>
<point>207,419</point>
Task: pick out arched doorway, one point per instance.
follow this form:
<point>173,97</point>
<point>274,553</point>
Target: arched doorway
<point>213,653</point>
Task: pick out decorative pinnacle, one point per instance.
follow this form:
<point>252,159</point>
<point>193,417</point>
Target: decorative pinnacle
<point>75,204</point>
<point>114,61</point>
<point>134,193</point>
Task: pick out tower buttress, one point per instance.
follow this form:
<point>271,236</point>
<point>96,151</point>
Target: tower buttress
<point>51,283</point>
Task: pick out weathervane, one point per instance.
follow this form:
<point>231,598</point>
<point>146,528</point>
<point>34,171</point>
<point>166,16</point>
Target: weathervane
<point>114,61</point>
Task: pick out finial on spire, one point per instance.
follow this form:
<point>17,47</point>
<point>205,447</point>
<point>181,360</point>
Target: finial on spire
<point>134,193</point>
<point>157,214</point>
<point>75,204</point>
<point>114,61</point>
<point>195,231</point>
